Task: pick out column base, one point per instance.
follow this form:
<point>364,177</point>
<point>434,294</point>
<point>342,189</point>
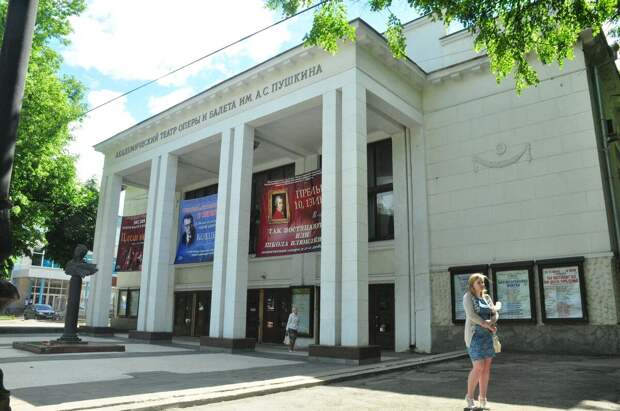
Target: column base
<point>230,345</point>
<point>341,354</point>
<point>96,331</point>
<point>151,337</point>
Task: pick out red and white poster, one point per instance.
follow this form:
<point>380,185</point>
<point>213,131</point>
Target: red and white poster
<point>290,220</point>
<point>131,243</point>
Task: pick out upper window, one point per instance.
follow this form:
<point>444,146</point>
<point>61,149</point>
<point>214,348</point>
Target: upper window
<point>201,192</point>
<point>380,191</point>
<point>258,182</point>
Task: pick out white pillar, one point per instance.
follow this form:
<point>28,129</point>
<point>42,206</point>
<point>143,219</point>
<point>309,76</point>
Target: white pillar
<point>421,245</point>
<point>103,252</point>
<point>402,251</point>
<point>239,232</point>
<point>157,277</point>
<point>355,218</point>
<point>221,237</point>
<point>331,202</point>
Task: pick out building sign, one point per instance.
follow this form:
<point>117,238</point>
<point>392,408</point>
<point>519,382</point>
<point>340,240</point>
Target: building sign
<point>290,219</point>
<point>196,230</point>
<point>131,243</point>
<point>303,299</point>
<point>562,291</point>
<point>229,106</point>
<point>513,286</point>
<point>459,276</point>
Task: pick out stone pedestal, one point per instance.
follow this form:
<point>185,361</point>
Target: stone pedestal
<point>230,345</point>
<point>59,347</point>
<point>354,355</point>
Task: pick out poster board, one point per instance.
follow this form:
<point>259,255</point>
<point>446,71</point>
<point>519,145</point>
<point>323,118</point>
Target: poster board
<point>303,299</point>
<point>513,286</point>
<point>196,238</point>
<point>458,287</point>
<point>562,290</point>
<point>130,243</point>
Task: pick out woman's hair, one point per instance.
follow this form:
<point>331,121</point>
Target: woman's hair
<point>473,278</point>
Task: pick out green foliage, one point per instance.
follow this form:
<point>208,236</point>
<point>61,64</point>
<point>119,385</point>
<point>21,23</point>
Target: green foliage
<point>44,181</point>
<point>509,31</point>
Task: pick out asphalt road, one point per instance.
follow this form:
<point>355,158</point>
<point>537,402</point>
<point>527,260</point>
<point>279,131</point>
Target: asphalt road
<point>518,382</point>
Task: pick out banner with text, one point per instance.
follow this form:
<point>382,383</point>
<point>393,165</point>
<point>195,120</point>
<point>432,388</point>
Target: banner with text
<point>196,230</point>
<point>131,243</point>
<point>290,219</point>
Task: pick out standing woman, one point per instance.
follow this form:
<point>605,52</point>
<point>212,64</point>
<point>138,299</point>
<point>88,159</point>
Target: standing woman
<point>291,328</point>
<point>480,319</point>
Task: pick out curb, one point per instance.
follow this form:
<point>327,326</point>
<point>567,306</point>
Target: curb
<point>210,395</point>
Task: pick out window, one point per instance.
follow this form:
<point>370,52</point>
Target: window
<point>201,192</point>
<point>37,257</point>
<point>380,191</point>
<point>128,303</point>
<point>258,181</point>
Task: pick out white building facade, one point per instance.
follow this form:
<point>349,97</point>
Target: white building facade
<point>474,176</point>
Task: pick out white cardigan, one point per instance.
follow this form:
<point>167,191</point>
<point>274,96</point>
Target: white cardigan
<point>471,318</point>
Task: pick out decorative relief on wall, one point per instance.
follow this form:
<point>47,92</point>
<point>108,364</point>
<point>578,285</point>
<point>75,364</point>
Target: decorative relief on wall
<point>502,162</point>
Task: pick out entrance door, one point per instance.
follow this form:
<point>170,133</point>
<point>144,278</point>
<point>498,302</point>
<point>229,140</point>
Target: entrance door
<point>252,321</point>
<point>381,315</point>
<point>202,313</point>
<point>276,309</point>
<point>183,305</point>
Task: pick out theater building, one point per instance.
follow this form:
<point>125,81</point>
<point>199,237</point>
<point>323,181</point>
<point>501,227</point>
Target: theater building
<point>429,171</point>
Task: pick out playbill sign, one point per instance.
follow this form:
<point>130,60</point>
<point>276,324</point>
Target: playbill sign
<point>290,219</point>
<point>562,292</point>
<point>131,243</point>
<point>197,230</point>
<point>513,290</point>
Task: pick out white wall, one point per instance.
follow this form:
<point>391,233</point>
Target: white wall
<point>549,206</point>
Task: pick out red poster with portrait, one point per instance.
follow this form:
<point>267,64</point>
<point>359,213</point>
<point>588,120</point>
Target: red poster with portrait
<point>131,243</point>
<point>290,218</point>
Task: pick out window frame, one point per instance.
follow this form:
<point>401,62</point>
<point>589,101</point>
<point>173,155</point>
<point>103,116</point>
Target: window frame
<point>128,292</point>
<point>374,190</point>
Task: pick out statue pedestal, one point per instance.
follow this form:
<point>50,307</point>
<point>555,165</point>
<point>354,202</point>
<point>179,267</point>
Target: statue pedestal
<point>60,347</point>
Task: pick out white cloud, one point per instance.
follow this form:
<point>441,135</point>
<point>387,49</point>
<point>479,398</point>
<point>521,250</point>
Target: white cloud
<point>142,39</point>
<point>159,104</point>
<point>96,127</point>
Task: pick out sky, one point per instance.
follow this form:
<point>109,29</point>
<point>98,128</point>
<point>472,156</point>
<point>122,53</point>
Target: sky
<point>118,45</point>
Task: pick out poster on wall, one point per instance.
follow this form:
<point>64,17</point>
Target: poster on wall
<point>562,291</point>
<point>303,299</point>
<point>196,230</point>
<point>458,287</point>
<point>290,219</point>
<point>513,286</point>
<point>131,243</point>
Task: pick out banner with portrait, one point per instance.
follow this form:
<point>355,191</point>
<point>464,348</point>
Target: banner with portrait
<point>131,243</point>
<point>196,230</point>
<point>290,219</point>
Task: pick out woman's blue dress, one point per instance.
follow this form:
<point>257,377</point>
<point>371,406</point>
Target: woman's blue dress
<point>481,345</point>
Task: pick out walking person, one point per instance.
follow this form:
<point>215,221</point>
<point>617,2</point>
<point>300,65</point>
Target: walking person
<point>480,319</point>
<point>292,326</point>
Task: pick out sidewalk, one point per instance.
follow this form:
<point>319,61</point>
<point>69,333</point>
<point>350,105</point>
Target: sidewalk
<point>149,376</point>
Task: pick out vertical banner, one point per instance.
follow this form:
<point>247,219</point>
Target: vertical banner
<point>131,243</point>
<point>290,219</point>
<point>196,230</point>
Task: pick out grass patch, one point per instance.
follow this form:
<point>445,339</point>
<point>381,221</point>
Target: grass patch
<point>7,317</point>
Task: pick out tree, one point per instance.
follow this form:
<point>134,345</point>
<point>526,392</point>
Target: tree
<point>509,31</point>
<point>44,178</point>
<point>73,225</point>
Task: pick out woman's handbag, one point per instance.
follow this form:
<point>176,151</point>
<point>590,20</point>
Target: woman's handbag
<point>286,341</point>
<point>497,346</point>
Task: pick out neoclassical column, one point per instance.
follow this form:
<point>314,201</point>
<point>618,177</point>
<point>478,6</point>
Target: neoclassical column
<point>221,237</point>
<point>239,233</point>
<point>98,305</point>
<point>402,246</point>
<point>355,220</point>
<point>331,215</point>
<point>157,277</point>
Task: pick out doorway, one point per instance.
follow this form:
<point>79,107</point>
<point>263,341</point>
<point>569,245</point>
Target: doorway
<point>276,309</point>
<point>381,315</point>
<point>192,313</point>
